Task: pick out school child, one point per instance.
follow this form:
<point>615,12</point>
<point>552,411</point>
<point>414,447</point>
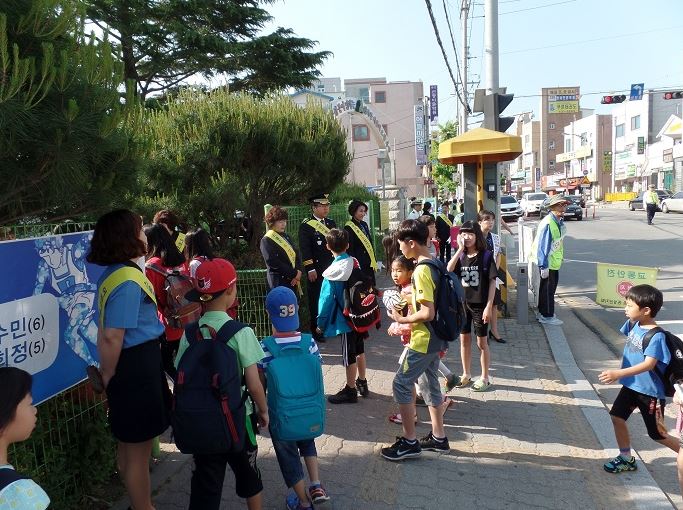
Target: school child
<point>423,353</point>
<point>432,242</point>
<point>486,220</point>
<point>477,270</point>
<point>17,421</point>
<point>197,249</point>
<point>283,309</point>
<point>641,386</point>
<point>216,288</point>
<point>331,321</point>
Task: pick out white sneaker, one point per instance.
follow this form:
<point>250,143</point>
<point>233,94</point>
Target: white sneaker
<point>551,321</point>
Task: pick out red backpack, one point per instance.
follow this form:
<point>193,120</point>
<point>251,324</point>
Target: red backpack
<point>179,312</point>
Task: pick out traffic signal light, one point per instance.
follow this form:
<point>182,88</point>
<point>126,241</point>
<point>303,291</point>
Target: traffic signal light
<point>677,94</point>
<point>494,104</point>
<point>613,99</point>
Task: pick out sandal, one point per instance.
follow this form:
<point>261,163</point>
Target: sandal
<point>462,381</point>
<point>481,385</point>
<point>396,418</point>
<point>446,404</point>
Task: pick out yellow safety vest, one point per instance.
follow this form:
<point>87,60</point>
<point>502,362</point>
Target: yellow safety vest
<point>556,254</point>
<point>122,275</point>
<point>366,243</point>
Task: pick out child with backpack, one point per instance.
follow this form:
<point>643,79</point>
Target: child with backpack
<point>196,390</point>
<point>166,269</point>
<point>646,356</point>
<point>17,421</point>
<point>291,368</point>
<point>331,320</point>
<point>486,219</point>
<point>475,267</point>
<point>423,351</point>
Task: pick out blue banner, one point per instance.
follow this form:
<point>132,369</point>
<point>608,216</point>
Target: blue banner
<point>48,319</point>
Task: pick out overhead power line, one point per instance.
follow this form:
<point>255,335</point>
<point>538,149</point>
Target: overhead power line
<point>533,8</point>
<point>445,58</point>
<point>455,49</point>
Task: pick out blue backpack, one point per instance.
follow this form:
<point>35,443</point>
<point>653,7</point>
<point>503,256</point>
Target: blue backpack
<point>449,302</point>
<point>296,395</point>
<point>208,414</point>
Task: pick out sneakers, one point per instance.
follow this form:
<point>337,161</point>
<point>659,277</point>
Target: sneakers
<point>619,464</point>
<point>551,321</point>
<point>318,494</point>
<point>451,381</point>
<point>293,503</point>
<point>344,396</point>
<point>362,387</point>
<point>401,449</point>
<point>431,444</point>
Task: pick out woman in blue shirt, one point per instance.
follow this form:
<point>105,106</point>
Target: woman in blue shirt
<point>129,349</point>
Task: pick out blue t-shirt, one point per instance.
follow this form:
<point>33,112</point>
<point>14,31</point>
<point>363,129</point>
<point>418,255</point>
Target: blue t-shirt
<point>129,308</point>
<point>647,383</point>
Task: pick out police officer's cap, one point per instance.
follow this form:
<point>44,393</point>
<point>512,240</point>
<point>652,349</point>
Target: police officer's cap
<point>322,199</point>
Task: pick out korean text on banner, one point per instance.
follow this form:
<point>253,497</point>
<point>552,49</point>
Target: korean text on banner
<point>615,280</point>
<point>48,321</point>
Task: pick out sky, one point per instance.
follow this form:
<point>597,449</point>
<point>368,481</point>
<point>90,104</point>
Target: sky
<point>603,46</point>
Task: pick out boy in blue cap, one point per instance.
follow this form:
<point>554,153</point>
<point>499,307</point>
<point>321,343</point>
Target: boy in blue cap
<point>283,309</point>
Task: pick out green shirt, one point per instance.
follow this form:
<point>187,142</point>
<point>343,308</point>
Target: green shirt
<point>244,343</point>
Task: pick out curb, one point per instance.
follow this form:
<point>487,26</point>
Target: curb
<point>581,307</point>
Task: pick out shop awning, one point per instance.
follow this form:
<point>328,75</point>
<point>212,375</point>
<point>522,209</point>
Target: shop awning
<point>480,145</point>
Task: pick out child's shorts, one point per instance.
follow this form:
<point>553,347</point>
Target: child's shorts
<point>414,365</point>
<point>475,314</point>
<point>628,400</point>
<point>353,345</point>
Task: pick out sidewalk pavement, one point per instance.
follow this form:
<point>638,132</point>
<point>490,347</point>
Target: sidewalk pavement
<point>526,443</point>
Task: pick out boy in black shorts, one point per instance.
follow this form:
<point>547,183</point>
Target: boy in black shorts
<point>642,388</point>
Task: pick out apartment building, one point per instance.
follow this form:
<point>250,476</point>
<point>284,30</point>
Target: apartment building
<point>525,170</point>
<point>559,107</point>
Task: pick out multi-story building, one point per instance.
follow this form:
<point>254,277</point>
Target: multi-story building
<point>559,107</point>
<point>525,171</point>
<point>586,160</point>
<point>636,124</point>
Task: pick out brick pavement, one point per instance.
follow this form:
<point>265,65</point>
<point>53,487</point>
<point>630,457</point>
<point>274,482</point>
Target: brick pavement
<point>523,444</point>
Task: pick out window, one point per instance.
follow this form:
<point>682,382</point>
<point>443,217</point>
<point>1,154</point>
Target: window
<point>380,96</point>
<point>619,130</point>
<point>321,87</point>
<point>526,139</point>
<point>361,133</point>
<point>635,122</point>
<point>567,145</point>
<point>386,128</point>
<point>584,139</point>
<point>551,164</point>
<point>551,145</point>
<point>364,94</point>
<point>551,126</point>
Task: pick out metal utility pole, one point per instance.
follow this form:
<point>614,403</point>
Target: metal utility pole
<point>491,45</point>
<point>464,12</point>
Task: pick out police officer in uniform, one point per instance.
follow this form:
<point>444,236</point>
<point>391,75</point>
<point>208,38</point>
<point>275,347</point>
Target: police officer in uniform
<point>314,252</point>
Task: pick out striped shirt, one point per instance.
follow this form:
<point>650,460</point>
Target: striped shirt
<point>283,340</point>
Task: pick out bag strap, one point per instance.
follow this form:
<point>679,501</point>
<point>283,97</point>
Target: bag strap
<point>228,330</point>
<point>646,341</point>
<point>156,269</point>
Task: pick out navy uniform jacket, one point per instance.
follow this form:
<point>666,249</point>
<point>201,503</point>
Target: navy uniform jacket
<point>313,247</point>
<point>280,270</point>
<point>357,250</point>
<point>443,231</point>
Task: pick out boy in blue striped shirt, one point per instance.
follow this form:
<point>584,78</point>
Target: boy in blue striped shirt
<point>283,309</point>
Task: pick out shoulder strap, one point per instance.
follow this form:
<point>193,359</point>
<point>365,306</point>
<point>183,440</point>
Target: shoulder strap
<point>192,332</point>
<point>271,345</point>
<point>305,342</point>
<point>8,476</point>
<point>116,278</point>
<point>228,330</point>
<point>651,333</point>
<point>156,269</point>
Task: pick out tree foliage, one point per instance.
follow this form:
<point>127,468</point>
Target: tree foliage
<point>166,42</point>
<point>213,153</point>
<point>63,150</point>
<point>443,174</point>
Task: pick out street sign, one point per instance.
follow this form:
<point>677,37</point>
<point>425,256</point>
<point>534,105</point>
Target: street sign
<point>637,91</point>
<point>585,172</point>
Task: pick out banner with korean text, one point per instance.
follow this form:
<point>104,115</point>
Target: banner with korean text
<point>615,280</point>
<point>48,320</point>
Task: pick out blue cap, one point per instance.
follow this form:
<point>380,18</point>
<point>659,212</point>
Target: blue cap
<point>283,309</point>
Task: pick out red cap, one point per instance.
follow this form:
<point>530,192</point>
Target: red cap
<point>212,278</point>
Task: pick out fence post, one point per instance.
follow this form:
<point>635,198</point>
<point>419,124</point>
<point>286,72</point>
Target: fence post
<point>522,293</point>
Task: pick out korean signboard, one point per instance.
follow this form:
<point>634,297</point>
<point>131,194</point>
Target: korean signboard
<point>420,135</point>
<point>433,104</point>
<point>614,281</point>
<point>563,100</point>
<point>48,321</point>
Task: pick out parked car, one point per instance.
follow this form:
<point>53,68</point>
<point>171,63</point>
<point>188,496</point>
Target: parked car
<point>509,207</point>
<point>637,203</point>
<point>673,203</point>
<point>531,202</point>
<point>573,210</point>
<point>577,199</point>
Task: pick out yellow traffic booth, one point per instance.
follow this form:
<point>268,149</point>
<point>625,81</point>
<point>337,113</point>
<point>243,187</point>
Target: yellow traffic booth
<point>480,151</point>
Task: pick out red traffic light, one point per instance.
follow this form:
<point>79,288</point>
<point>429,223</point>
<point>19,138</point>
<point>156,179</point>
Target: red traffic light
<point>613,99</point>
<point>673,95</point>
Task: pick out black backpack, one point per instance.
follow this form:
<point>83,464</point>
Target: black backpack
<point>674,370</point>
<point>208,414</point>
<point>361,306</point>
<point>449,305</point>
